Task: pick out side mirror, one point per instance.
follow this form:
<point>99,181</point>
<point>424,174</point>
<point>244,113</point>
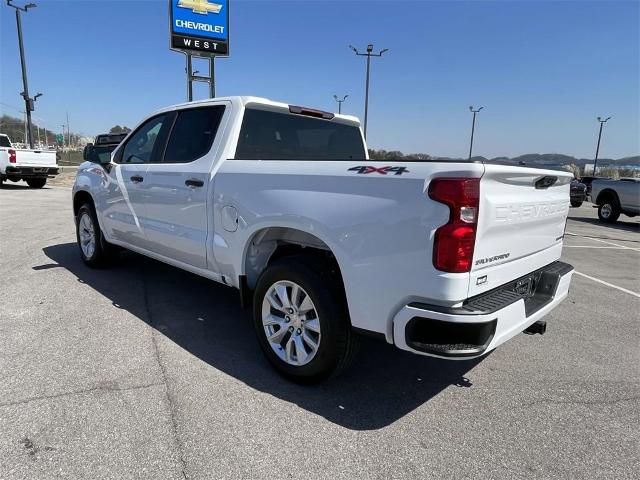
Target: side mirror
<point>89,154</point>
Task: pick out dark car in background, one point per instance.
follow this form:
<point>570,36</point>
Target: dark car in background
<point>577,193</point>
<point>588,179</point>
<point>103,145</point>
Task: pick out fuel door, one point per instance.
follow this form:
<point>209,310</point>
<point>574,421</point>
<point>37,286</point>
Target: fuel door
<point>229,218</point>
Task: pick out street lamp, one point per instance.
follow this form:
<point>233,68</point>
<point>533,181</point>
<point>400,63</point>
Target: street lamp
<point>25,93</point>
<point>369,54</point>
<point>602,122</point>
<point>340,102</point>
<point>473,127</point>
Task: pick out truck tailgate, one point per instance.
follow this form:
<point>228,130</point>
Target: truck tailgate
<point>521,222</point>
<point>35,158</point>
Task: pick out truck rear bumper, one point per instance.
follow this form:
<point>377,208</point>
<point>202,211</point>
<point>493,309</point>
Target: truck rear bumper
<point>485,321</point>
<point>30,172</point>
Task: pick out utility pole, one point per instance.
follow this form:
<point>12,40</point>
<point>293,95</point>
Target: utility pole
<point>68,132</point>
<point>62,125</point>
<point>340,102</point>
<point>602,122</point>
<point>473,127</point>
<point>28,101</point>
<point>369,54</point>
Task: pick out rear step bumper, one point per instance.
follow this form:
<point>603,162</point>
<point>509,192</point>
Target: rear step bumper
<point>24,172</point>
<point>485,321</point>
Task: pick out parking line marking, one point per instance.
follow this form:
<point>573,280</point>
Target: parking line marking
<point>630,292</point>
<point>612,243</point>
<point>604,241</point>
<point>594,246</point>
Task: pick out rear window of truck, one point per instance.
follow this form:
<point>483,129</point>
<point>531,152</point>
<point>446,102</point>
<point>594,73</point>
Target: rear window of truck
<point>281,136</point>
<point>4,142</point>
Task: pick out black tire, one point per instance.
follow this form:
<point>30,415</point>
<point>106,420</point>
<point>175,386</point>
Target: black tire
<point>338,343</point>
<point>36,182</point>
<point>608,211</point>
<point>103,252</point>
<point>576,203</point>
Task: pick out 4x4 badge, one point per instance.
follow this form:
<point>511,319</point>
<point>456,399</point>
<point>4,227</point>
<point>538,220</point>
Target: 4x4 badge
<point>364,169</point>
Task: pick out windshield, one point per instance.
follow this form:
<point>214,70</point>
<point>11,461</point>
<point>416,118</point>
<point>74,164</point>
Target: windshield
<point>282,136</point>
<point>4,142</point>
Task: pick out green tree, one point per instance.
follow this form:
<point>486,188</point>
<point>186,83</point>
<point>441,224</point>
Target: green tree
<point>119,129</point>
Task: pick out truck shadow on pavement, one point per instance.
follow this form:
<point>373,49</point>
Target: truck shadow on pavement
<point>204,318</point>
<point>14,186</point>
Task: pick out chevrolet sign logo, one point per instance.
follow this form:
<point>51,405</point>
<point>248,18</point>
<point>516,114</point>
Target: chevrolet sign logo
<point>202,7</point>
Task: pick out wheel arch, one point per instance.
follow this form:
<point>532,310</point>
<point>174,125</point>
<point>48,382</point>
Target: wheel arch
<point>80,198</point>
<point>606,194</point>
<point>269,244</point>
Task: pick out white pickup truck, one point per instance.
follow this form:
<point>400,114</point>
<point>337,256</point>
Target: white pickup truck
<point>32,166</point>
<point>440,258</point>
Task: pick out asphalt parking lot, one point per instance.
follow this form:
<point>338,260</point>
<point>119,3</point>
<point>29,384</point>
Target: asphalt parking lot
<point>144,371</point>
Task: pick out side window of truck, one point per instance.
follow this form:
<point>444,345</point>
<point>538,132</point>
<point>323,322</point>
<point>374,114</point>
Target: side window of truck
<point>193,134</point>
<point>144,146</point>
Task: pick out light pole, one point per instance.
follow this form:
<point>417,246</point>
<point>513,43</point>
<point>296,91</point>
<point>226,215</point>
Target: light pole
<point>602,122</point>
<point>28,101</point>
<point>369,54</point>
<point>340,102</point>
<point>473,127</point>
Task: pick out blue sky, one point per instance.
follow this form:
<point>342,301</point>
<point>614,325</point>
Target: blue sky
<point>543,70</point>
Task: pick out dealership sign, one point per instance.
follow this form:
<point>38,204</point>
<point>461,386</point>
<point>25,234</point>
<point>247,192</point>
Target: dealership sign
<point>200,27</point>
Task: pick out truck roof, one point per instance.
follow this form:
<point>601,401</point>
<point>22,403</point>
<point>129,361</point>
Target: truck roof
<point>262,103</point>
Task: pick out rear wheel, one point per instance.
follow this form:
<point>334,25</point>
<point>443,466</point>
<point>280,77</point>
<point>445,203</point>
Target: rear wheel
<point>94,249</point>
<point>576,203</point>
<point>301,320</point>
<point>608,211</point>
<point>36,182</point>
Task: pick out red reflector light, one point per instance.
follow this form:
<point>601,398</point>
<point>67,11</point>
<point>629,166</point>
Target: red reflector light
<point>12,155</point>
<point>454,242</point>
<point>310,112</point>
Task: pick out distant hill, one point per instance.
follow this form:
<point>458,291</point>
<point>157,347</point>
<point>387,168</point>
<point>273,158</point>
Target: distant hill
<point>14,127</point>
<point>557,159</point>
<point>538,159</point>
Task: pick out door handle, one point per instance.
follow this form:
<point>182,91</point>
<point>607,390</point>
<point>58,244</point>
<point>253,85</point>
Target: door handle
<point>136,179</point>
<point>193,183</point>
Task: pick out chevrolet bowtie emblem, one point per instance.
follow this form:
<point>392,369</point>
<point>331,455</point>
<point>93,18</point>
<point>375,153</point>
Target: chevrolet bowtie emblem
<point>200,6</point>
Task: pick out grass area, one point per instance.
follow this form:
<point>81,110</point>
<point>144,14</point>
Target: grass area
<point>70,158</point>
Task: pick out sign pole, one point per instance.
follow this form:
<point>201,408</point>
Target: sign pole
<point>212,81</point>
<point>189,78</point>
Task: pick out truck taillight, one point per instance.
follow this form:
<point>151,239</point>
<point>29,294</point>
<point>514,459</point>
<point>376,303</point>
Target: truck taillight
<point>12,155</point>
<point>454,242</point>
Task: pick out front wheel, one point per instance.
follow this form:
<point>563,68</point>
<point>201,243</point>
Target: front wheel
<point>576,203</point>
<point>36,182</point>
<point>301,320</point>
<point>94,249</point>
<point>608,211</point>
